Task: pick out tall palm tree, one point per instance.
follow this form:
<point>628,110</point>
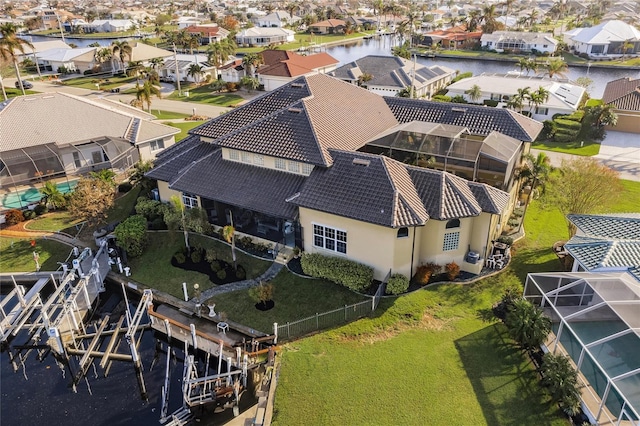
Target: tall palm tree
<point>557,67</point>
<point>228,233</point>
<point>145,92</point>
<point>121,50</point>
<point>489,23</point>
<point>475,93</point>
<point>251,62</point>
<point>51,196</point>
<point>178,205</point>
<point>10,45</point>
<point>291,8</point>
<point>537,98</point>
<point>527,324</point>
<point>196,71</point>
<point>536,172</point>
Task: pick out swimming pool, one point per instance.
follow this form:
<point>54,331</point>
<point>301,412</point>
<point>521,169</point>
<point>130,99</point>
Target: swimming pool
<point>21,199</point>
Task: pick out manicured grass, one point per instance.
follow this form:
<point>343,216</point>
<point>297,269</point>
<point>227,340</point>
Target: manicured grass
<point>90,81</point>
<point>205,95</point>
<point>154,268</point>
<point>124,206</point>
<point>306,40</point>
<point>184,128</point>
<point>17,254</point>
<point>54,221</point>
<point>295,298</point>
<point>629,202</point>
<point>168,115</point>
<point>12,93</point>
<point>588,148</point>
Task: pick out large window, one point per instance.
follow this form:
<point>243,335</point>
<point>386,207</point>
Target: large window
<point>157,145</point>
<point>451,241</point>
<point>189,200</point>
<point>281,164</point>
<point>234,155</point>
<point>330,238</point>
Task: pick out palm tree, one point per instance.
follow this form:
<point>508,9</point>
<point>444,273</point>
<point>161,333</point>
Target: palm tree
<point>218,53</point>
<point>144,93</point>
<point>489,23</point>
<point>562,381</point>
<point>178,205</point>
<point>535,172</point>
<point>475,93</point>
<point>291,8</point>
<point>527,324</point>
<point>121,50</point>
<point>473,20</point>
<point>251,62</point>
<point>103,55</point>
<point>196,71</point>
<point>10,44</point>
<point>557,67</point>
<point>156,62</point>
<point>228,233</point>
<point>51,196</point>
<point>537,98</point>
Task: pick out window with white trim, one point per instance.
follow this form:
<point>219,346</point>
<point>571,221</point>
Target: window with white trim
<point>294,167</point>
<point>451,241</point>
<point>246,157</point>
<point>258,159</point>
<point>189,200</point>
<point>330,238</point>
<point>234,155</point>
<point>281,164</point>
<point>307,169</point>
<point>156,145</point>
<point>542,111</point>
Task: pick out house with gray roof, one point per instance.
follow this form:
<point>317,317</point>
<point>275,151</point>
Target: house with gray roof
<point>56,135</point>
<point>389,75</point>
<point>519,41</point>
<point>290,167</point>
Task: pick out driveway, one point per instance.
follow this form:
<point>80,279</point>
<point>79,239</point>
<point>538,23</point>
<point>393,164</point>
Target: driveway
<point>620,146</point>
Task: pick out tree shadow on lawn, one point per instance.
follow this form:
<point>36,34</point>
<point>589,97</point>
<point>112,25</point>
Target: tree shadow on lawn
<point>533,261</point>
<point>505,383</point>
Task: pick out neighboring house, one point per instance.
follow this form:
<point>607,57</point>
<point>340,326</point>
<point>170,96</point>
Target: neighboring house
<point>594,313</point>
<point>624,95</point>
<point>232,72</point>
<point>56,135</point>
<point>518,41</point>
<point>452,38</point>
<point>564,98</point>
<point>210,33</point>
<point>111,25</point>
<point>330,26</point>
<point>184,22</point>
<point>611,39</point>
<point>74,60</point>
<point>281,67</point>
<point>257,36</point>
<point>144,52</point>
<point>286,167</point>
<point>49,18</point>
<point>181,64</point>
<point>389,75</point>
<point>277,19</point>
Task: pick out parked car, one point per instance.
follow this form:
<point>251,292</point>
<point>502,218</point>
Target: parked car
<point>25,84</point>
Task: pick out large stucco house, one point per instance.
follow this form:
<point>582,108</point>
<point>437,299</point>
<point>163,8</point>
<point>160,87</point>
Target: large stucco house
<point>519,41</point>
<point>280,67</point>
<point>56,135</point>
<point>624,95</point>
<point>289,167</point>
<point>607,40</point>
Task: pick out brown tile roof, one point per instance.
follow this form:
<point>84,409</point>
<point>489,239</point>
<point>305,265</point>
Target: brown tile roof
<point>296,65</point>
<point>623,94</point>
<point>196,29</point>
<point>329,23</point>
<point>274,56</point>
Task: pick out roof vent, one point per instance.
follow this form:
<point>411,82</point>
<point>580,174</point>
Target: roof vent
<point>295,110</point>
<point>361,162</point>
<point>458,109</point>
<point>297,85</point>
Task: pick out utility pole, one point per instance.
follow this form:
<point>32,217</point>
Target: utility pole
<point>175,57</point>
<point>413,79</point>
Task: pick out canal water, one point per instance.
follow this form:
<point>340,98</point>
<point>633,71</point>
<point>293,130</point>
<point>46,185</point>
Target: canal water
<point>383,45</point>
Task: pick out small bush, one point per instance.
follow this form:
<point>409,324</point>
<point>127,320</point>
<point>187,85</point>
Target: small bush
<point>211,255</point>
<point>28,214</point>
<point>180,257</point>
<point>505,240</point>
<point>565,123</point>
<point>131,235</point>
<point>157,224</point>
<point>262,292</point>
<point>124,187</point>
<point>216,266</point>
<point>196,255</point>
<point>41,209</point>
<point>425,272</point>
<point>452,270</point>
<point>241,274</point>
<point>13,217</point>
<point>513,222</point>
<point>397,284</point>
<point>348,273</point>
<point>221,274</point>
<point>151,209</point>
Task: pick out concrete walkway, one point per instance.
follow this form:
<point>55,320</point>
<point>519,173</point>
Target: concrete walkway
<point>268,275</point>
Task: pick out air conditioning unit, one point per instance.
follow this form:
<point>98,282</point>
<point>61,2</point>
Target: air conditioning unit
<point>472,257</point>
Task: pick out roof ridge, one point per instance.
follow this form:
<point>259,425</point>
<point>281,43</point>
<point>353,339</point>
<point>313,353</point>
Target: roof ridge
<point>185,169</point>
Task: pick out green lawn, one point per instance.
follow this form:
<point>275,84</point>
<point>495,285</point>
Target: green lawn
<point>588,148</point>
<point>17,254</point>
<point>306,40</point>
<point>205,95</point>
<point>295,298</point>
<point>12,93</point>
<point>184,128</point>
<point>54,221</point>
<point>168,115</point>
<point>124,205</point>
<point>90,81</point>
<point>154,268</point>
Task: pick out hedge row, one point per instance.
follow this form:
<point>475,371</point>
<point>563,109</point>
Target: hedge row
<point>564,123</point>
<point>348,273</point>
<point>397,284</point>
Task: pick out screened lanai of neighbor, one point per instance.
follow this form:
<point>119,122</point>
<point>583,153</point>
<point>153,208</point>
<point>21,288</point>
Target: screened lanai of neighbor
<point>596,322</point>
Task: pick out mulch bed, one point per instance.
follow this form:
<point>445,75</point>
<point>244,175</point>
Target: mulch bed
<point>265,306</point>
<point>205,268</point>
<point>295,266</point>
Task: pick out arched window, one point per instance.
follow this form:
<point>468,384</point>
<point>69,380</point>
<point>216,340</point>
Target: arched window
<point>403,232</point>
<point>453,223</point>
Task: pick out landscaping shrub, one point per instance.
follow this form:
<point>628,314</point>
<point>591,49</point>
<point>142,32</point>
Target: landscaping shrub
<point>490,102</point>
<point>348,273</point>
<point>513,222</point>
<point>151,209</point>
<point>221,274</point>
<point>196,255</point>
<point>241,274</point>
<point>453,270</point>
<point>124,187</point>
<point>157,224</point>
<point>505,240</point>
<point>211,255</point>
<point>549,129</point>
<point>216,266</point>
<point>565,123</point>
<point>461,76</point>
<point>425,272</point>
<point>397,284</point>
<point>180,257</point>
<point>41,209</point>
<point>13,217</point>
<point>565,137</point>
<point>441,98</point>
<point>28,214</point>
<point>131,235</point>
<point>262,293</point>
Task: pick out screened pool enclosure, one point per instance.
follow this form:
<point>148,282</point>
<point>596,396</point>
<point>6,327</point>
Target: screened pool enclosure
<point>596,322</point>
